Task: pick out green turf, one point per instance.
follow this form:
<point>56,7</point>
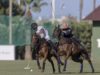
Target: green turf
<point>17,68</point>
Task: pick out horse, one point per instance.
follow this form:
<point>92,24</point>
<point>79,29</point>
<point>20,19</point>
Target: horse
<point>68,48</point>
<point>44,51</point>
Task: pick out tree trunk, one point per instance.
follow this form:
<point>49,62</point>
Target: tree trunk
<point>81,9</point>
<point>28,52</point>
<point>94,4</point>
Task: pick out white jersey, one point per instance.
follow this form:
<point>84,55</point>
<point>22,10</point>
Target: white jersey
<point>42,35</point>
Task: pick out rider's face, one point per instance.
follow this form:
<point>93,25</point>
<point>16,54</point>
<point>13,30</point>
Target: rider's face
<point>34,27</point>
<point>64,24</point>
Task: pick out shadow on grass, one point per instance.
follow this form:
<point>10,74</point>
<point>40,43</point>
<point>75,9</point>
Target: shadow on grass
<point>77,73</point>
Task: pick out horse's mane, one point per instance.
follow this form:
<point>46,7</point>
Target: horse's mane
<point>39,39</point>
<point>58,30</point>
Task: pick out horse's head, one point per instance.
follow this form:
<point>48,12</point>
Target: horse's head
<point>35,38</point>
<point>57,31</point>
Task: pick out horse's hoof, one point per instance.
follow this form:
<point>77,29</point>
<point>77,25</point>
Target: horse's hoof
<point>81,71</point>
<point>62,63</point>
<point>53,72</point>
<point>59,71</point>
<point>64,69</point>
<point>39,68</point>
<point>93,71</point>
<point>42,71</point>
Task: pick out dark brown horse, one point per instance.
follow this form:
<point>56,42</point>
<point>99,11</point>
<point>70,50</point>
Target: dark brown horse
<point>44,51</point>
<point>68,48</point>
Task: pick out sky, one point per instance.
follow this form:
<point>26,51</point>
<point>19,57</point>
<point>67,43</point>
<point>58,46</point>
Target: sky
<point>71,7</point>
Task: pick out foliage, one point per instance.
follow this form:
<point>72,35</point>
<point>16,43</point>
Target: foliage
<point>4,34</point>
<point>20,9</point>
<point>20,31</point>
<point>83,31</point>
<point>4,8</point>
<point>4,20</point>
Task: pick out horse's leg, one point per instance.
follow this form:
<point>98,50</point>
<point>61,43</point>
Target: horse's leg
<point>68,53</point>
<point>81,68</point>
<point>43,65</point>
<point>90,62</point>
<point>64,69</point>
<point>44,60</point>
<point>66,58</point>
<point>38,63</point>
<point>78,59</point>
<point>58,63</point>
<point>58,58</point>
<point>50,60</point>
<point>88,59</point>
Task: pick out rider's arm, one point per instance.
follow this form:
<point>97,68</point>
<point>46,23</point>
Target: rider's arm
<point>70,30</point>
<point>67,31</point>
<point>41,31</point>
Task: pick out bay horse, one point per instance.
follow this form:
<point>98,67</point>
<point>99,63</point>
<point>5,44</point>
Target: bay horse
<point>44,51</point>
<point>68,48</point>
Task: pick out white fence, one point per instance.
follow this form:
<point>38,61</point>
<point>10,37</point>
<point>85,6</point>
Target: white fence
<point>7,52</point>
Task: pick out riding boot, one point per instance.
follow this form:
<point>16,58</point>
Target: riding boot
<point>76,39</point>
<point>78,42</point>
<point>34,54</point>
<point>36,49</point>
<point>55,51</point>
<point>53,46</point>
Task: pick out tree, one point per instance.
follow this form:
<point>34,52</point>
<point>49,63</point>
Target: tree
<point>4,4</point>
<point>4,34</point>
<point>23,8</point>
<point>29,6</point>
<point>4,8</point>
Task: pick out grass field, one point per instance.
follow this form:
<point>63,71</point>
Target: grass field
<point>17,68</point>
